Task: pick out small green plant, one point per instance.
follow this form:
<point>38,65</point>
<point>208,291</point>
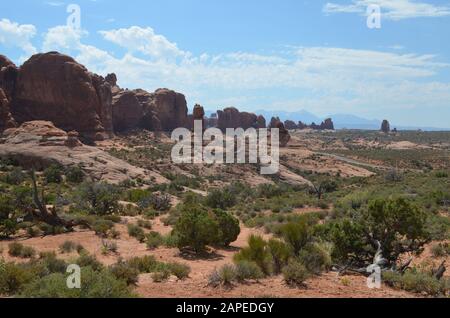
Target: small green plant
<point>53,174</point>
<point>145,224</point>
<point>123,271</point>
<point>246,270</point>
<point>74,174</point>
<point>109,247</point>
<point>440,250</point>
<point>160,276</point>
<point>67,247</point>
<point>154,240</point>
<point>181,271</point>
<point>137,232</point>
<point>295,273</point>
<point>19,250</point>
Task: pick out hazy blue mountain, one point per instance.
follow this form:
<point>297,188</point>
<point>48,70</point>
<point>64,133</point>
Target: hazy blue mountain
<point>348,121</point>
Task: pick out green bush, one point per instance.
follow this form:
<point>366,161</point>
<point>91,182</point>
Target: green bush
<point>125,272</point>
<point>315,257</point>
<point>102,227</point>
<point>297,234</point>
<point>295,273</point>
<point>256,252</point>
<point>181,271</point>
<point>97,198</point>
<point>280,252</point>
<point>19,250</point>
<point>154,240</point>
<point>220,199</point>
<point>196,229</point>
<point>229,227</point>
<point>96,284</point>
<point>160,276</point>
<point>74,174</point>
<point>87,260</point>
<point>246,270</point>
<point>146,264</point>
<point>15,176</point>
<point>225,275</point>
<point>13,277</point>
<point>136,232</point>
<point>67,247</point>
<point>53,174</point>
<point>417,282</point>
<point>440,249</point>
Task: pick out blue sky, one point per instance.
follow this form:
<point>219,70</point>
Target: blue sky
<point>268,54</point>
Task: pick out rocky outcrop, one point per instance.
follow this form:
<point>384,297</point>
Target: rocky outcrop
<point>290,125</point>
<point>170,107</point>
<point>232,118</point>
<point>211,122</point>
<point>302,125</point>
<point>327,124</point>
<point>261,122</point>
<point>38,144</point>
<point>56,88</point>
<point>6,119</point>
<point>8,76</point>
<point>385,127</point>
<point>128,112</point>
<point>198,113</point>
<point>285,137</point>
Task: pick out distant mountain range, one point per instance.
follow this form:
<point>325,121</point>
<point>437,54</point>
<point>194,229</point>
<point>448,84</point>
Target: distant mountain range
<point>341,121</point>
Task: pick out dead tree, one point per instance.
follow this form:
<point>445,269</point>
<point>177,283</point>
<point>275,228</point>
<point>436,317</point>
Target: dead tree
<point>43,214</point>
<point>439,273</point>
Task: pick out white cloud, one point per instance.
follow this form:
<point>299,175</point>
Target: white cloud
<point>17,35</point>
<point>391,9</point>
<point>143,40</point>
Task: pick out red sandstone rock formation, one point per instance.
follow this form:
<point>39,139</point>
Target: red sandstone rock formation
<point>56,88</point>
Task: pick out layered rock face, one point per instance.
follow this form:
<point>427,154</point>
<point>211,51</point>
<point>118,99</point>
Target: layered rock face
<point>290,125</point>
<point>327,124</point>
<point>56,88</point>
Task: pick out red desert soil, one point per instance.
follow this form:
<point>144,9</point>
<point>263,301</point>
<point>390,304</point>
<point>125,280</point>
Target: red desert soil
<point>327,285</point>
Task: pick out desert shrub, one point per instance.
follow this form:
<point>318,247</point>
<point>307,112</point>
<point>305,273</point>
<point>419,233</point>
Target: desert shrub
<point>417,282</point>
<point>109,247</point>
<point>256,252</point>
<point>440,249</point>
<point>196,229</point>
<point>87,260</point>
<point>181,271</point>
<point>97,198</point>
<point>74,174</point>
<point>102,227</point>
<point>396,223</point>
<point>96,284</point>
<point>160,276</point>
<point>269,191</point>
<point>145,224</point>
<point>18,250</point>
<point>280,253</point>
<point>67,247</point>
<point>51,263</point>
<point>246,270</point>
<point>8,225</point>
<point>137,232</point>
<point>158,202</point>
<point>123,271</point>
<point>295,273</point>
<point>13,277</point>
<point>393,176</point>
<point>441,174</point>
<point>154,240</point>
<point>33,231</point>
<point>48,229</point>
<point>225,276</point>
<point>296,234</point>
<point>315,257</point>
<point>15,176</point>
<point>229,227</point>
<point>53,174</point>
<point>220,199</point>
<point>146,264</point>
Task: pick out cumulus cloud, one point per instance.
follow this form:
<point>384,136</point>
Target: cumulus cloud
<point>391,9</point>
<point>17,35</point>
<point>143,40</point>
